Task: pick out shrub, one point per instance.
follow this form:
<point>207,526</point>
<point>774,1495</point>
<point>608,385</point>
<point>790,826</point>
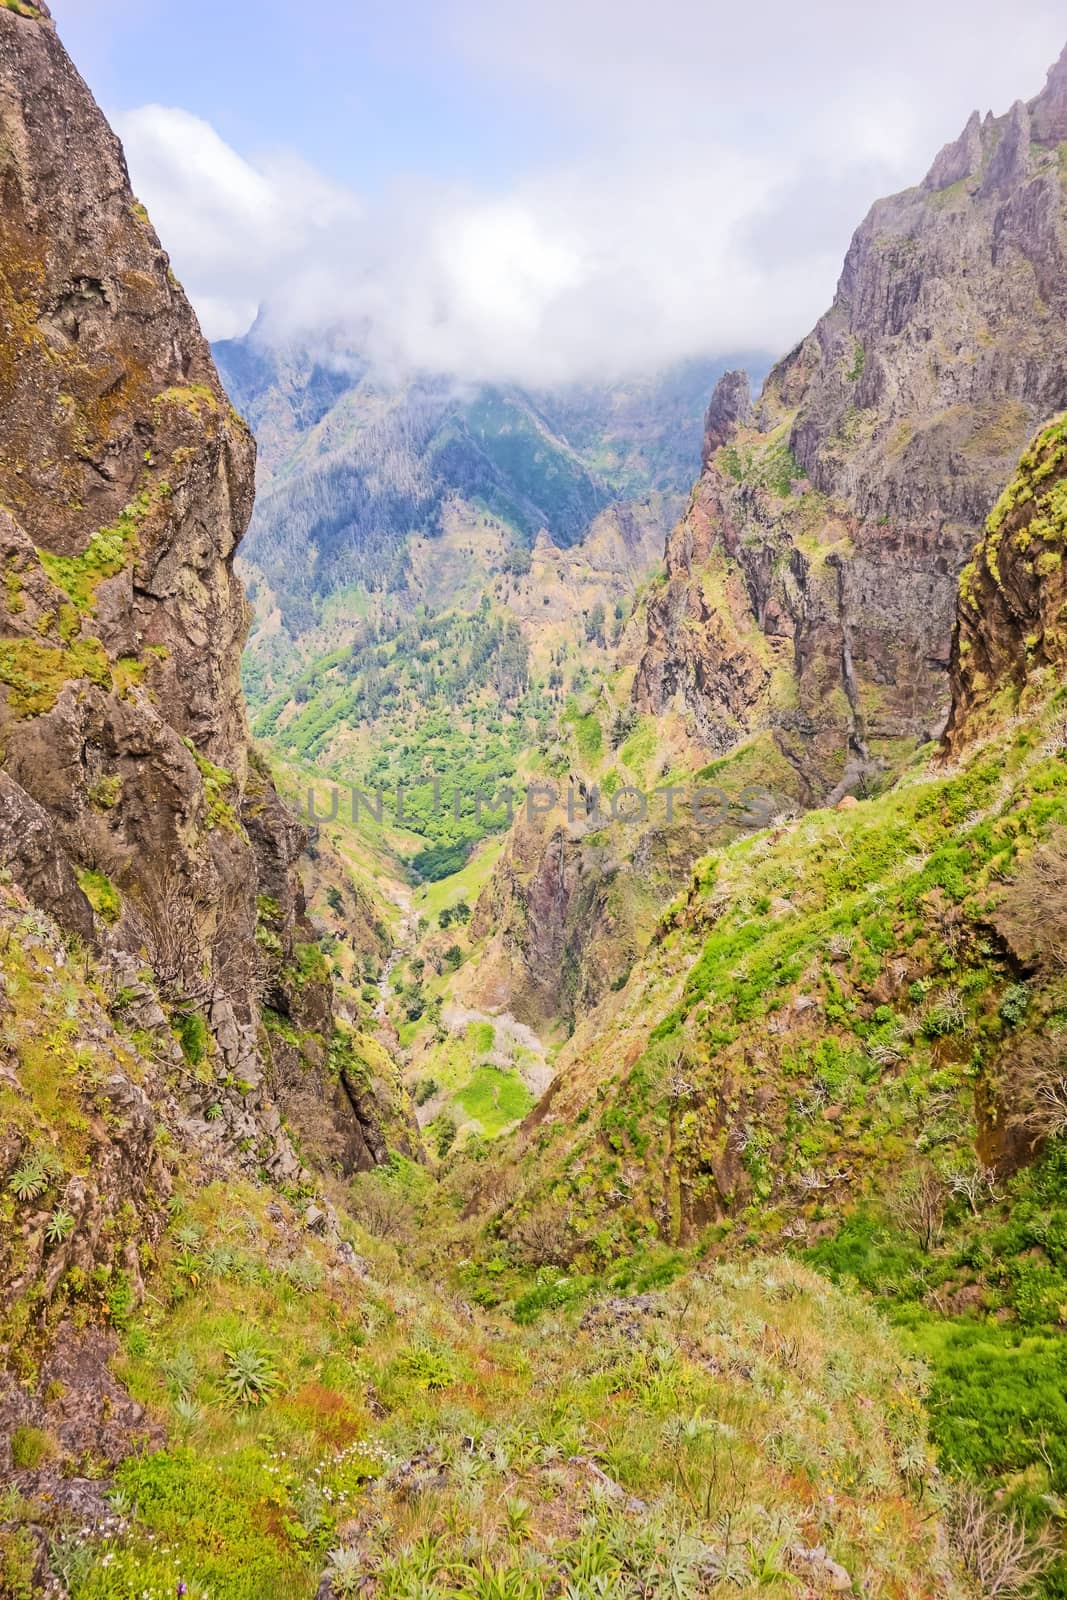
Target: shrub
<point>919,1206</point>
<point>1033,913</point>
<point>18,1551</point>
<point>428,1368</point>
<point>250,1378</point>
<point>30,1447</point>
<point>1002,1556</point>
<point>379,1206</point>
<point>191,1030</point>
<point>1038,1085</point>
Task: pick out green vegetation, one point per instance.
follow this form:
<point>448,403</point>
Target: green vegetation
<point>29,1448</point>
<point>192,1034</point>
<point>589,736</point>
<point>101,894</point>
<point>999,1368</point>
<point>442,699</point>
<point>496,1099</point>
<point>675,1444</point>
<point>108,552</point>
<point>764,461</point>
<point>36,673</point>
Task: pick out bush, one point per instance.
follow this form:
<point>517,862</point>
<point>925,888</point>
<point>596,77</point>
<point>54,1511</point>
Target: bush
<point>1000,1554</point>
<point>1032,916</point>
<point>30,1448</point>
<point>379,1206</point>
<point>191,1031</point>
<point>1038,1085</point>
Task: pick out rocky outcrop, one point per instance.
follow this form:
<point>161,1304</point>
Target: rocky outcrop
<point>730,409</point>
<point>1049,111</point>
<point>811,587</point>
<point>1011,631</point>
<point>559,920</point>
<point>133,811</point>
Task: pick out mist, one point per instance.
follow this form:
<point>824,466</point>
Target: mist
<point>705,174</point>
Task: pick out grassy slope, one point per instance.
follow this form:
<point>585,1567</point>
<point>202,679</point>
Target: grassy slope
<point>828,1024</point>
<point>686,1445</point>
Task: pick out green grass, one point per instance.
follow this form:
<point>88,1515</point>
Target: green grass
<point>495,1099</point>
<point>101,894</point>
<point>588,734</point>
<point>109,550</point>
<point>35,673</point>
<point>726,1408</point>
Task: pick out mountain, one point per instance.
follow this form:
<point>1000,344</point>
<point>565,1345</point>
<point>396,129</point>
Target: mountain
<point>754,1282</point>
<point>810,588</point>
<point>800,636</point>
<point>426,558</point>
<point>165,1007</point>
<point>846,1038</point>
<point>353,465</point>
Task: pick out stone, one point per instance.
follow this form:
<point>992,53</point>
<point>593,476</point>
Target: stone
<point>821,621</point>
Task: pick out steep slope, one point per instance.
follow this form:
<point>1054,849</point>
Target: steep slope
<point>847,1037</point>
<point>223,1376</point>
<point>810,588</point>
<point>1013,601</point>
<point>133,811</point>
<point>800,635</point>
<point>865,948</point>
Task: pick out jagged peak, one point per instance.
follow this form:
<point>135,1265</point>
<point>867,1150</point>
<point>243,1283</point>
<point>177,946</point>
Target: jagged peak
<point>1049,110</point>
<point>730,408</point>
<point>1010,163</point>
<point>960,159</point>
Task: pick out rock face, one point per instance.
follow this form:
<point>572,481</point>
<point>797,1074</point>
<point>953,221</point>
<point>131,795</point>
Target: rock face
<point>133,812</point>
<point>1011,632</point>
<point>811,588</point>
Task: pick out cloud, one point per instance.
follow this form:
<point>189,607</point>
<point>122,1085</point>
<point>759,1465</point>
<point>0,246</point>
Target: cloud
<point>237,229</point>
<point>586,270</point>
<point>718,161</point>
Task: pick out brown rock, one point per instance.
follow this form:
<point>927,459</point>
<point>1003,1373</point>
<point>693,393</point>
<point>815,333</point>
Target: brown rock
<point>822,618</point>
<point>126,484</point>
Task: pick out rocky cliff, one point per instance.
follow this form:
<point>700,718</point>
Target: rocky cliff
<point>864,999</point>
<point>810,589</point>
<point>134,813</point>
<point>1011,631</point>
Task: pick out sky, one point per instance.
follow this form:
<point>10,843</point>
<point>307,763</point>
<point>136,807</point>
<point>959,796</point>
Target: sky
<point>535,193</point>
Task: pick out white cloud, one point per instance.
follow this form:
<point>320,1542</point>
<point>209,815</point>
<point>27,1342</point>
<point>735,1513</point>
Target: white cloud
<point>587,269</point>
<point>236,227</point>
<point>721,158</point>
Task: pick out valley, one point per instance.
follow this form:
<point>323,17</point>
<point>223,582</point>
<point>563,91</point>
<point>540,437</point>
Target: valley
<point>413,1195</point>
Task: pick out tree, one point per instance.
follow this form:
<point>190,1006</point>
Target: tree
<point>919,1206</point>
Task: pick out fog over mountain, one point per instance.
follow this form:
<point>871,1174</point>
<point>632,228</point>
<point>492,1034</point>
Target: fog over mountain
<point>605,192</point>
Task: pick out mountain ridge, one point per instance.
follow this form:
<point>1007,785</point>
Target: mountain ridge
<point>261,1342</point>
<point>845,503</point>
